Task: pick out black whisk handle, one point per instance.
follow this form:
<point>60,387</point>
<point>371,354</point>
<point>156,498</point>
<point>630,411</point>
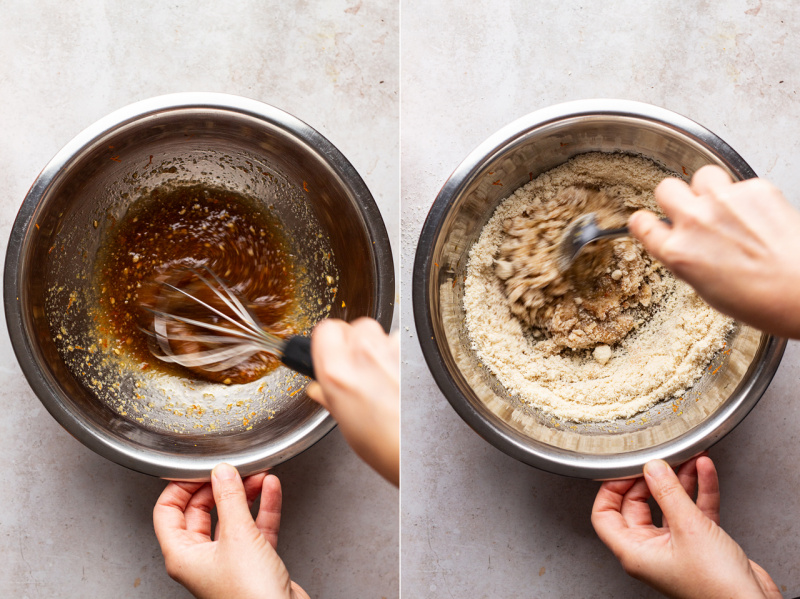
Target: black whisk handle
<point>297,355</point>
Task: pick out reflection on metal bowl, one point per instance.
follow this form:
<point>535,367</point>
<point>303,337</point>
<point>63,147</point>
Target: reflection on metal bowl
<point>228,142</point>
<point>516,154</point>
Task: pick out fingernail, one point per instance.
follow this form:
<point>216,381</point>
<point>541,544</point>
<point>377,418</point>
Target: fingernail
<point>656,468</point>
<point>224,472</point>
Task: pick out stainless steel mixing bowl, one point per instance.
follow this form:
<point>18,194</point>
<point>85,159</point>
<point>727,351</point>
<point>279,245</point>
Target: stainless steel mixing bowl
<point>224,141</point>
<point>516,154</point>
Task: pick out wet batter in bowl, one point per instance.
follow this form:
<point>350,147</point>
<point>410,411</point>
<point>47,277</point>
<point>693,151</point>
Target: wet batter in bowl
<point>614,334</point>
<point>173,229</point>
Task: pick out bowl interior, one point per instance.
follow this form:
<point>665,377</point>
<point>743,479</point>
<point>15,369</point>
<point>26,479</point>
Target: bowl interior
<point>472,195</point>
<point>321,208</point>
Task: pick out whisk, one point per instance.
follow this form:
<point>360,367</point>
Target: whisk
<point>230,345</point>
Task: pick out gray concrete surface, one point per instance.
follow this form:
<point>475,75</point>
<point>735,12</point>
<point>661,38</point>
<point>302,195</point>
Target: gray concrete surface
<point>476,523</point>
<point>72,524</point>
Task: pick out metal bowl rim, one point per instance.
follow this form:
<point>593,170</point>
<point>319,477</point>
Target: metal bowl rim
<point>559,461</point>
<point>149,461</point>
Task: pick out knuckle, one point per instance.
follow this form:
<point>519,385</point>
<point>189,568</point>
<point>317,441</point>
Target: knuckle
<point>720,195</point>
<point>698,218</point>
<point>665,493</point>
<point>368,332</point>
<point>704,169</point>
<point>761,187</point>
<point>673,253</point>
<point>669,182</point>
<point>709,170</point>
<point>228,493</point>
<point>363,345</point>
<point>642,225</point>
<point>366,323</point>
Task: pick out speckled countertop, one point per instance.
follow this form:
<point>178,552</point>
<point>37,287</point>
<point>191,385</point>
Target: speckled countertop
<point>72,523</point>
<point>475,522</point>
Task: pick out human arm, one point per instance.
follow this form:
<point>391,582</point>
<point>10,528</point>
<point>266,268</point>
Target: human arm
<point>689,556</point>
<point>358,370</point>
<point>240,560</point>
<point>737,244</point>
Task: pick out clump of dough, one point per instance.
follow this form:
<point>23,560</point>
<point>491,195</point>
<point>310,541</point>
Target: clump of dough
<point>600,298</point>
<point>602,354</point>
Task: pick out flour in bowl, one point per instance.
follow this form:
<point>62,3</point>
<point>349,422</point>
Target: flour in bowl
<point>614,334</point>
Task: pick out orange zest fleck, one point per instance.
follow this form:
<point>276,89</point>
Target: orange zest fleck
<point>116,158</point>
<point>498,182</point>
<point>305,186</point>
<point>683,168</point>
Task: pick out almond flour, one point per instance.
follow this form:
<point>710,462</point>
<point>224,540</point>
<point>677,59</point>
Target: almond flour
<point>612,336</point>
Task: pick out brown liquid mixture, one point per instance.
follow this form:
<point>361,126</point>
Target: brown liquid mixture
<point>172,230</point>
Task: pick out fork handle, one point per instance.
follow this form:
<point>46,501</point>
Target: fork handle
<point>297,355</point>
<point>611,233</point>
<point>622,231</point>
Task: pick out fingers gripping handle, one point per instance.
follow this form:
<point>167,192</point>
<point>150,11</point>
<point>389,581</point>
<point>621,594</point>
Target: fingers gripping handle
<point>297,355</point>
<point>620,232</point>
